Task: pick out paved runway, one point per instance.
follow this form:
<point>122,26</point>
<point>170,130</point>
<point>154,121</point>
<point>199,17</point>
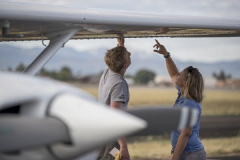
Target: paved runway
<point>237,157</point>
<point>233,157</point>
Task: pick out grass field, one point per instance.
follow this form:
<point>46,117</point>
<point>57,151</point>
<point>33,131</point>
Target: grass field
<point>161,148</point>
<point>216,102</point>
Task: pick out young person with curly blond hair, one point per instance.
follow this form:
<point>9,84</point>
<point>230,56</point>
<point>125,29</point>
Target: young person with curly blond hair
<point>113,91</point>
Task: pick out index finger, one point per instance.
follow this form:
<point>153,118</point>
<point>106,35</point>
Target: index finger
<point>157,42</point>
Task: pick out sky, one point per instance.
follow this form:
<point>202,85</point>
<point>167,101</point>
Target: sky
<point>185,49</point>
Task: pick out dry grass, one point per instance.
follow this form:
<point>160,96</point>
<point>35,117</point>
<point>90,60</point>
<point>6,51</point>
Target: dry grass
<point>221,102</point>
<point>150,149</point>
<point>222,146</point>
<point>216,102</point>
<point>161,148</point>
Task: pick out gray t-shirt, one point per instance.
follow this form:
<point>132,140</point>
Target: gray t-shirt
<point>113,88</point>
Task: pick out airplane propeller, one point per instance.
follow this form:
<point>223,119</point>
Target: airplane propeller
<point>69,122</point>
<point>162,120</point>
<point>58,116</point>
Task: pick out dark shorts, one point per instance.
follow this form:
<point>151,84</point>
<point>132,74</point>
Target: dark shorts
<point>197,155</point>
<point>104,151</point>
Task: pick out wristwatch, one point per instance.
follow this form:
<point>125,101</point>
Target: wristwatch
<point>167,55</point>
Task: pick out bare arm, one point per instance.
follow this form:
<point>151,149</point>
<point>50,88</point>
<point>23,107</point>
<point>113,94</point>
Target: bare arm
<point>182,142</point>
<point>124,154</point>
<point>120,40</point>
<point>171,67</point>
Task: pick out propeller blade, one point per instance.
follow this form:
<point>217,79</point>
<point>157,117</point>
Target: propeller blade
<point>21,132</point>
<point>162,120</point>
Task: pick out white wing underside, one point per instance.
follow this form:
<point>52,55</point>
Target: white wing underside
<point>34,22</point>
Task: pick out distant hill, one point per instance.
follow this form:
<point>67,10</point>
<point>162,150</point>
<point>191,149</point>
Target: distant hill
<point>91,62</point>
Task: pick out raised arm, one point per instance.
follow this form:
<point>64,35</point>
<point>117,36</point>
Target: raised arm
<point>171,67</point>
<point>120,40</point>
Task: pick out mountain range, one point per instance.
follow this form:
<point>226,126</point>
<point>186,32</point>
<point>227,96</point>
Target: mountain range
<point>91,62</point>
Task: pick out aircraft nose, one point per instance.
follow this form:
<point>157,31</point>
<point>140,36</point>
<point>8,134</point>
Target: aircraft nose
<point>90,124</point>
<point>67,120</point>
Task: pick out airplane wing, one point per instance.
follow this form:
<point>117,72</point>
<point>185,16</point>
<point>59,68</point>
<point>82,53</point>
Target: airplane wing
<point>23,21</point>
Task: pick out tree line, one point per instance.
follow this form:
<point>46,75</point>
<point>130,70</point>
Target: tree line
<point>142,76</point>
<point>64,74</point>
<point>222,76</point>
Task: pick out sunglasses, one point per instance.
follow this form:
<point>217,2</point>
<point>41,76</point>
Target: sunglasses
<point>190,70</point>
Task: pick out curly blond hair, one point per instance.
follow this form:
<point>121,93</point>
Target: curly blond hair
<point>115,58</point>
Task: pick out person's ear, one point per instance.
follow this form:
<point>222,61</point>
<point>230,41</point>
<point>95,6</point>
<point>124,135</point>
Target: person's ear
<point>185,83</point>
<point>125,66</point>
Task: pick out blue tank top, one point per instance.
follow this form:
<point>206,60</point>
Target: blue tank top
<point>194,143</point>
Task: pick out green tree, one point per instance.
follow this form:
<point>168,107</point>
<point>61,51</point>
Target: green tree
<point>54,74</point>
<point>65,74</point>
<point>221,76</point>
<point>20,67</point>
<point>10,69</point>
<point>44,72</point>
<point>128,76</point>
<point>144,76</point>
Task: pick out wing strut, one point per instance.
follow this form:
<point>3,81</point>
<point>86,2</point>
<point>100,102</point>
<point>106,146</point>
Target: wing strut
<point>57,40</point>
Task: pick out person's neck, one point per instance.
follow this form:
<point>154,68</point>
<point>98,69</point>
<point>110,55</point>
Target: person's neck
<point>122,72</point>
<point>181,90</point>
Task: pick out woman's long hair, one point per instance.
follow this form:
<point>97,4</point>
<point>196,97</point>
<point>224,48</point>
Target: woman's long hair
<point>195,84</point>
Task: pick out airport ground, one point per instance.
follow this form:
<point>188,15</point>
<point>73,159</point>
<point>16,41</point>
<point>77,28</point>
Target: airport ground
<point>216,101</point>
<point>218,105</point>
<point>233,157</point>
